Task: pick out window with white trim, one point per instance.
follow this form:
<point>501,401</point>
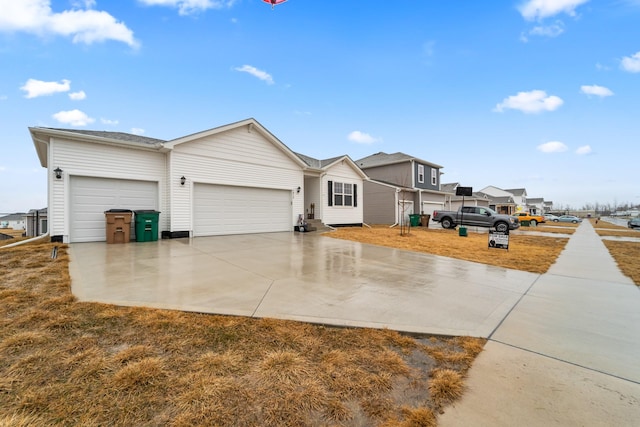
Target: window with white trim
<point>421,174</point>
<point>343,194</point>
<point>434,176</point>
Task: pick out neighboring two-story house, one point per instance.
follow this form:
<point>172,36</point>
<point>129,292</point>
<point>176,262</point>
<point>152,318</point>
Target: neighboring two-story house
<point>399,185</point>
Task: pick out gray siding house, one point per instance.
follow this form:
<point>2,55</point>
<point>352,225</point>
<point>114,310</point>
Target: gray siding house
<point>399,185</point>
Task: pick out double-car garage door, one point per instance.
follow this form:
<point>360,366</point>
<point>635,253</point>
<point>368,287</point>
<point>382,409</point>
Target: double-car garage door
<point>223,209</point>
<point>91,197</point>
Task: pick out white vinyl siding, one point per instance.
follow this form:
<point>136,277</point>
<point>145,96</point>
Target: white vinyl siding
<point>342,172</point>
<point>90,197</point>
<point>90,159</point>
<point>223,209</point>
<point>236,157</point>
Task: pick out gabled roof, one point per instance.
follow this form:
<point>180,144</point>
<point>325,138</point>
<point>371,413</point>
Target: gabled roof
<point>13,217</point>
<point>327,163</point>
<point>251,124</point>
<point>535,200</point>
<point>517,191</point>
<point>449,187</point>
<point>502,200</point>
<point>384,159</point>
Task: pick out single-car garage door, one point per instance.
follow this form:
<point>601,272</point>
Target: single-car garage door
<point>90,197</point>
<point>429,207</point>
<point>223,209</point>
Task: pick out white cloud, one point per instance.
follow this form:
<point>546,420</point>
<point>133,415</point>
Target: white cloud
<point>553,147</point>
<point>83,25</point>
<point>596,90</point>
<point>362,138</point>
<point>186,7</point>
<point>585,149</point>
<point>73,118</point>
<point>548,30</point>
<point>535,101</point>
<point>137,131</point>
<point>109,122</point>
<point>262,75</point>
<point>3,97</point>
<point>36,88</point>
<point>540,9</point>
<point>77,96</point>
<point>631,63</point>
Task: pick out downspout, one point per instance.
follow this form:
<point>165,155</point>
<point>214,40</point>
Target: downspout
<point>395,209</point>
<point>24,242</point>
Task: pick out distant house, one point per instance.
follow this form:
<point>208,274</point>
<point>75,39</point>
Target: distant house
<point>505,201</point>
<point>36,221</point>
<point>454,202</point>
<point>233,179</point>
<point>535,205</point>
<point>15,221</point>
<point>400,185</point>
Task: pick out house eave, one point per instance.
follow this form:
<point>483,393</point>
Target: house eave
<point>42,137</point>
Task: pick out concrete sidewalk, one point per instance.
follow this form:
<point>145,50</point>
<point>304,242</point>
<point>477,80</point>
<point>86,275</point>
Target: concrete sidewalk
<point>567,353</point>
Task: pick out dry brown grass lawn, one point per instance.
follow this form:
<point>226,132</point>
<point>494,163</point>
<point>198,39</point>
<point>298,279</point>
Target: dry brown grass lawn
<point>526,252</point>
<point>626,254</point>
<point>68,363</point>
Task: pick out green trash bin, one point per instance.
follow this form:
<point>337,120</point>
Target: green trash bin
<point>525,223</point>
<point>414,219</point>
<point>146,225</point>
<point>462,231</point>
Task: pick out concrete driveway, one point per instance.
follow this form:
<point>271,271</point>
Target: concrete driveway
<point>563,347</point>
<point>306,277</point>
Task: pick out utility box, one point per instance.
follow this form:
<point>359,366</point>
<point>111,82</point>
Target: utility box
<point>146,225</point>
<point>118,225</point>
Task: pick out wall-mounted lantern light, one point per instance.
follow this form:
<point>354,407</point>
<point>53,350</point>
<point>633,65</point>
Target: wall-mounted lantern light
<point>58,172</point>
<point>298,189</point>
<point>182,180</point>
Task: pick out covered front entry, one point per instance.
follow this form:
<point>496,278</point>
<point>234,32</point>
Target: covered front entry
<point>226,209</point>
<point>90,197</point>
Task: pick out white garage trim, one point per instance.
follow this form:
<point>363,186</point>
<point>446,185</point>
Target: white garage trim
<point>225,209</point>
<point>90,197</point>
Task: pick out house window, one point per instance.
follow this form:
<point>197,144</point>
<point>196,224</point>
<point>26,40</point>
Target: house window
<point>434,177</point>
<point>421,174</point>
<point>342,194</point>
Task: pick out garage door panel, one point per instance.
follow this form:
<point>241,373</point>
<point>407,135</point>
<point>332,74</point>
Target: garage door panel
<point>220,209</point>
<point>90,197</point>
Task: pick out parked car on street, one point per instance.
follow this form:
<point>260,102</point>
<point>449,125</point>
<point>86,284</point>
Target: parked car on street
<point>569,218</point>
<point>526,216</point>
<point>634,222</point>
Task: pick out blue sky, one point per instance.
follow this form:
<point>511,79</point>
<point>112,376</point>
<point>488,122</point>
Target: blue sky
<point>537,94</point>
